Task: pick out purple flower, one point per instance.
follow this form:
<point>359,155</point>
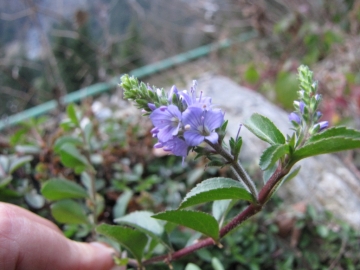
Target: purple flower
<point>167,120</point>
<point>190,100</point>
<point>294,117</point>
<point>200,124</point>
<point>173,91</point>
<point>176,146</point>
<point>301,105</point>
<point>152,106</point>
<point>322,125</point>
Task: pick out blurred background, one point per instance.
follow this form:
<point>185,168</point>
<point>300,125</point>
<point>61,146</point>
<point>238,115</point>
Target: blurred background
<point>51,48</point>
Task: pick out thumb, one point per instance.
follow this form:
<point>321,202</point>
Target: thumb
<point>87,256</point>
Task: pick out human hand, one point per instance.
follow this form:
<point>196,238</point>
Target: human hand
<point>28,241</point>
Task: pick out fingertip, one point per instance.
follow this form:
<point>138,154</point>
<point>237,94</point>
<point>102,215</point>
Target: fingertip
<point>93,256</point>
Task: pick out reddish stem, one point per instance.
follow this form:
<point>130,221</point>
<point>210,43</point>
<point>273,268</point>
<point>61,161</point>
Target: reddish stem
<point>248,212</point>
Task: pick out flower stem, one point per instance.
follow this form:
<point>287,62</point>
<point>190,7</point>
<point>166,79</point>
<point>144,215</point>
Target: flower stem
<point>239,171</point>
<point>249,211</point>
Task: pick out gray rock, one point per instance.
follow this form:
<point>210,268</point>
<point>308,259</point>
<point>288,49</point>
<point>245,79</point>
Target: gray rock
<point>323,181</point>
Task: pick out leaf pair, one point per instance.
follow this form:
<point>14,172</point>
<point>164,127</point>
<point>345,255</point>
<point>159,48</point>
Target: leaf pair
<point>332,140</point>
<point>266,130</point>
<point>213,189</point>
<point>136,237</point>
<point>66,210</point>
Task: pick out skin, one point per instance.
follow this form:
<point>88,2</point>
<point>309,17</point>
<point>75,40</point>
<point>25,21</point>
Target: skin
<point>28,241</point>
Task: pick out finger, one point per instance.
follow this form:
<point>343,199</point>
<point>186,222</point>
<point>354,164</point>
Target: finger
<point>11,211</point>
<point>30,242</point>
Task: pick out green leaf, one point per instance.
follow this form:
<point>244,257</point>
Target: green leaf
<point>273,154</point>
<point>142,221</point>
<point>34,199</point>
<point>286,86</point>
<point>7,195</point>
<point>269,172</point>
<point>325,146</point>
<point>191,266</point>
<point>264,129</point>
<point>71,112</point>
<point>27,149</point>
<point>122,201</point>
<point>218,188</point>
<point>58,189</point>
<point>220,209</point>
<point>335,132</point>
<point>18,162</point>
<point>66,139</point>
<point>286,178</point>
<point>4,165</point>
<point>237,147</point>
<point>197,221</point>
<point>216,264</point>
<point>251,75</point>
<point>291,174</point>
<point>132,239</point>
<point>69,211</point>
<point>5,181</point>
<point>72,158</point>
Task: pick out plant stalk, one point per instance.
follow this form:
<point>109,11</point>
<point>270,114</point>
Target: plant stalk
<point>239,171</point>
<point>249,211</point>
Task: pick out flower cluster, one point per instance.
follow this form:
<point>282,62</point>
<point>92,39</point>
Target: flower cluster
<point>186,121</point>
<point>306,116</point>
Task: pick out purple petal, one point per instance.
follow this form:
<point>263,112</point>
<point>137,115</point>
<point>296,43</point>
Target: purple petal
<point>166,133</point>
<point>213,137</point>
<point>186,98</point>
<point>162,118</point>
<point>323,125</point>
<point>214,119</point>
<point>294,117</point>
<point>192,116</point>
<point>193,138</point>
<point>177,146</point>
<point>158,145</point>
<point>152,106</point>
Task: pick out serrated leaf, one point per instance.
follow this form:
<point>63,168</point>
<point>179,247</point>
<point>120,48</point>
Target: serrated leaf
<point>71,112</point>
<point>72,158</point>
<point>69,211</point>
<point>132,239</point>
<point>197,221</point>
<point>218,188</point>
<point>264,129</point>
<point>273,154</point>
<point>269,172</point>
<point>58,189</point>
<point>143,221</point>
<point>335,132</point>
<point>325,146</point>
<point>237,148</point>
<point>17,162</point>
